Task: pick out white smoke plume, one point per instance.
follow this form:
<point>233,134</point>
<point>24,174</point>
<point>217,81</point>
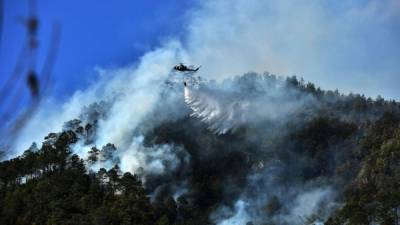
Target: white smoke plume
<point>155,160</point>
<point>240,216</point>
<point>133,91</point>
<point>329,43</point>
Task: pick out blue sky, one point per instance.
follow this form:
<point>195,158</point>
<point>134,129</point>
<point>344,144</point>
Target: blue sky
<point>349,45</point>
<point>93,33</point>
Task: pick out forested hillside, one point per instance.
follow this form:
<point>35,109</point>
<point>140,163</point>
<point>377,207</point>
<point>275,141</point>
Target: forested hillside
<point>334,159</point>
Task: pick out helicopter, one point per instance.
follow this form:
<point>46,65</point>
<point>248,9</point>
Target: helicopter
<point>182,68</point>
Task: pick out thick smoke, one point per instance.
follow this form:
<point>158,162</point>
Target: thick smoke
<point>330,43</point>
<point>131,93</point>
<point>154,160</point>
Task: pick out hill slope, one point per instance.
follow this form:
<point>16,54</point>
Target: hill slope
<point>309,156</point>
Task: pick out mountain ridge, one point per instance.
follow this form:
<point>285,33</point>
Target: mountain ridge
<point>330,152</point>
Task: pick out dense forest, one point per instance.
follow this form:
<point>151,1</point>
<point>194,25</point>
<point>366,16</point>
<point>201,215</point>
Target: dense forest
<point>346,147</point>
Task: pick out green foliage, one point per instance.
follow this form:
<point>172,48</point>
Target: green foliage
<point>52,186</point>
<point>374,195</point>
